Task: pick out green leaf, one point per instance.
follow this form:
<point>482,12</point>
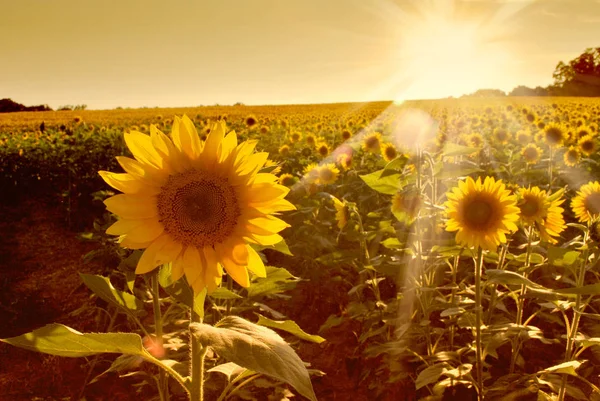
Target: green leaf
<point>510,278</point>
<point>562,257</point>
<point>60,340</point>
<point>102,287</point>
<point>453,149</point>
<point>289,326</point>
<point>181,290</point>
<point>229,369</point>
<point>257,348</point>
<point>391,243</point>
<point>394,167</point>
<point>568,368</point>
<point>281,247</point>
<point>592,289</point>
<point>388,185</point>
<point>224,293</point>
<point>430,374</point>
<point>278,280</point>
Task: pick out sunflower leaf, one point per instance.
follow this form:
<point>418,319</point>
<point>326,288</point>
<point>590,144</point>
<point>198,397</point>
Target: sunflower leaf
<point>103,288</point>
<point>60,340</point>
<point>389,184</point>
<point>290,326</point>
<point>257,348</point>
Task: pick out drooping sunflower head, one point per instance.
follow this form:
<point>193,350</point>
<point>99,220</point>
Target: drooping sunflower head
<point>554,134</point>
<point>586,204</point>
<point>531,153</point>
<point>389,152</point>
<point>196,205</point>
<point>341,212</point>
<point>406,205</point>
<point>482,213</point>
<point>372,142</point>
<point>346,134</point>
<point>572,156</point>
<point>588,145</point>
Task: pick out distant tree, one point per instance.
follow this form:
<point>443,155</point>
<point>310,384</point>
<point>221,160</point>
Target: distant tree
<point>487,93</point>
<point>10,106</point>
<point>522,90</point>
<point>580,76</point>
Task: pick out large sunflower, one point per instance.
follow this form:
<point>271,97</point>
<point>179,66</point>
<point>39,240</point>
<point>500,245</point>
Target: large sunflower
<point>482,213</point>
<point>196,205</point>
<point>543,211</point>
<point>586,205</point>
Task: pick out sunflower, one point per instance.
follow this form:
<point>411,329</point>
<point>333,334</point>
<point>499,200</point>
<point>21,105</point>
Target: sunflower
<point>345,161</point>
<point>311,140</point>
<point>389,152</point>
<point>341,212</point>
<point>501,135</point>
<point>328,174</point>
<point>284,150</point>
<point>587,145</point>
<point>346,134</point>
<point>572,156</point>
<point>523,137</point>
<point>482,213</point>
<point>311,173</point>
<point>554,134</point>
<point>475,140</point>
<point>271,166</point>
<point>372,142</point>
<point>251,121</point>
<point>531,153</point>
<point>287,180</point>
<point>406,205</point>
<point>544,211</point>
<point>586,205</point>
<point>322,149</point>
<point>295,137</point>
<point>196,205</point>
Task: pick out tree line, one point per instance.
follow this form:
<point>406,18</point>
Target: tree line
<point>578,77</point>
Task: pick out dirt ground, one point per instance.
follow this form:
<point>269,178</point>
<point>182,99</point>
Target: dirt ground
<point>39,261</point>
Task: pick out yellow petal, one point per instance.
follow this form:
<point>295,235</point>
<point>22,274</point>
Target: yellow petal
<point>210,153</point>
<point>266,225</point>
<point>148,231</point>
<point>126,183</point>
<point>265,239</point>
<point>192,264</point>
<point>123,226</point>
<point>132,206</point>
<point>265,192</point>
<point>164,146</point>
<point>280,205</point>
<point>127,243</point>
<point>252,163</point>
<point>228,145</point>
<point>212,275</point>
<point>170,250</point>
<point>177,267</point>
<point>255,263</point>
<point>141,148</point>
<point>185,137</point>
<point>148,261</point>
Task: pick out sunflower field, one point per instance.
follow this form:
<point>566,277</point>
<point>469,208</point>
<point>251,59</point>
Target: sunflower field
<point>429,250</point>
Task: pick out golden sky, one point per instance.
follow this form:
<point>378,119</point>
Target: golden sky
<point>135,53</point>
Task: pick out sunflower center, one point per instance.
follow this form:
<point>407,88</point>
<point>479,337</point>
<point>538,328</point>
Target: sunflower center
<point>326,174</point>
<point>372,142</point>
<point>198,209</point>
<point>553,135</point>
<point>530,208</point>
<point>478,214</point>
<point>390,152</point>
<point>592,203</point>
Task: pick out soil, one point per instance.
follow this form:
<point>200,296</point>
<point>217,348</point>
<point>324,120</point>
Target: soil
<point>40,258</point>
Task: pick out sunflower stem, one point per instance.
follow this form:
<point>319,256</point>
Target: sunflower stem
<point>572,333</point>
<point>198,353</point>
<point>550,165</point>
<point>163,383</point>
<point>478,323</point>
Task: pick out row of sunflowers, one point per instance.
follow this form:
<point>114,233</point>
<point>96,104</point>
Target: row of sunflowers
<point>463,233</point>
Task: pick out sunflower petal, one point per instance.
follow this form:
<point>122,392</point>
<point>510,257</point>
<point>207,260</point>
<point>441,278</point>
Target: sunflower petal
<point>132,206</point>
<point>255,263</point>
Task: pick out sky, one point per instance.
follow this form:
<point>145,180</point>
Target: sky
<point>154,53</point>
